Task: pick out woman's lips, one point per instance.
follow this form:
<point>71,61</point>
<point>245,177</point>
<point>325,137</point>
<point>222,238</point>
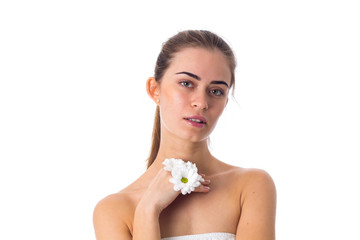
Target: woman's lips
<point>196,121</point>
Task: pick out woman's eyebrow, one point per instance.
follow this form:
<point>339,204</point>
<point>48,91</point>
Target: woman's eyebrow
<point>220,82</point>
<point>190,74</point>
<point>198,78</point>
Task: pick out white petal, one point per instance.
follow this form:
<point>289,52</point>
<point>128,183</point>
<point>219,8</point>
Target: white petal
<point>180,169</point>
<point>173,180</point>
<point>177,187</point>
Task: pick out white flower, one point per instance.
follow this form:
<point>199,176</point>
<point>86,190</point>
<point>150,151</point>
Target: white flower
<point>184,175</point>
<point>172,163</point>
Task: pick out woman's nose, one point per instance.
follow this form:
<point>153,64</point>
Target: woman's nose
<point>200,101</point>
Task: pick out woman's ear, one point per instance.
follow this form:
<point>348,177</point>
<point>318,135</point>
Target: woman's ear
<point>153,89</point>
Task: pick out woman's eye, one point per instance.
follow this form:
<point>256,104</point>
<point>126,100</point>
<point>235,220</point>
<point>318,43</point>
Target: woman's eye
<point>186,84</point>
<point>217,92</point>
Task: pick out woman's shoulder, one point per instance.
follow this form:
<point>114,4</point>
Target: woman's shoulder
<point>239,170</point>
<point>115,200</point>
<point>253,174</point>
<point>243,173</point>
<point>117,208</point>
<point>249,178</point>
<point>113,215</point>
<point>255,182</point>
<point>121,201</point>
<point>113,207</point>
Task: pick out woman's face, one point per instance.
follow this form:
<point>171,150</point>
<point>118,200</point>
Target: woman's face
<point>193,93</point>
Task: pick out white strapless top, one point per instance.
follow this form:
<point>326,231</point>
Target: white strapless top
<point>204,236</point>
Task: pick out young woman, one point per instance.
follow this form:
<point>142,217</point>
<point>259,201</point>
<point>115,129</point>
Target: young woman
<point>193,76</point>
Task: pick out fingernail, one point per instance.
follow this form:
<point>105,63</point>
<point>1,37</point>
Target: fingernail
<point>206,187</point>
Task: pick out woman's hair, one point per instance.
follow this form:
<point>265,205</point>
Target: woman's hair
<point>185,39</point>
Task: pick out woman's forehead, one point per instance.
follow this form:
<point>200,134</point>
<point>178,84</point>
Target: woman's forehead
<point>205,63</point>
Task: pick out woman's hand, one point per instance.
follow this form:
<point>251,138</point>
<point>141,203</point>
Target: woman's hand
<point>160,192</point>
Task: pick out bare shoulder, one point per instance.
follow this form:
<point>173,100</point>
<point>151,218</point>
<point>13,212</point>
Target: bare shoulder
<point>258,204</point>
<point>255,176</point>
<point>251,182</point>
<point>248,176</point>
<point>113,216</point>
<point>116,204</point>
<point>254,180</point>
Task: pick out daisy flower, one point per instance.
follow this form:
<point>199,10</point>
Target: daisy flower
<point>185,175</point>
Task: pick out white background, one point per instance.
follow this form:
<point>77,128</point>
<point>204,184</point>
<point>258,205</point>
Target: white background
<point>76,122</point>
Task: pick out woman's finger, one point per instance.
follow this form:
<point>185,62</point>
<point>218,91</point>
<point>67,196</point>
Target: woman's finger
<point>202,188</point>
<point>206,182</point>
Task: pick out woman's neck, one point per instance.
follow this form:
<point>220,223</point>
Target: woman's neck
<point>196,152</point>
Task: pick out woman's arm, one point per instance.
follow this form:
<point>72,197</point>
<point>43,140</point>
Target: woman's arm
<point>146,223</point>
<point>156,198</point>
<point>258,207</point>
<point>112,214</point>
<point>110,221</point>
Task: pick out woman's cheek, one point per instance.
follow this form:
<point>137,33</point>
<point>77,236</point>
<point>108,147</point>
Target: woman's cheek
<point>171,104</point>
<point>177,99</point>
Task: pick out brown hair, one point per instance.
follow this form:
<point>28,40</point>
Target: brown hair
<point>184,39</point>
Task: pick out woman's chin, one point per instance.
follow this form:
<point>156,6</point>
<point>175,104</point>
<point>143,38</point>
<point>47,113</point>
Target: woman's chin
<point>195,138</point>
<point>187,133</point>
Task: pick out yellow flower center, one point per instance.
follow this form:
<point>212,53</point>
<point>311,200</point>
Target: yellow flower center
<point>184,180</point>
